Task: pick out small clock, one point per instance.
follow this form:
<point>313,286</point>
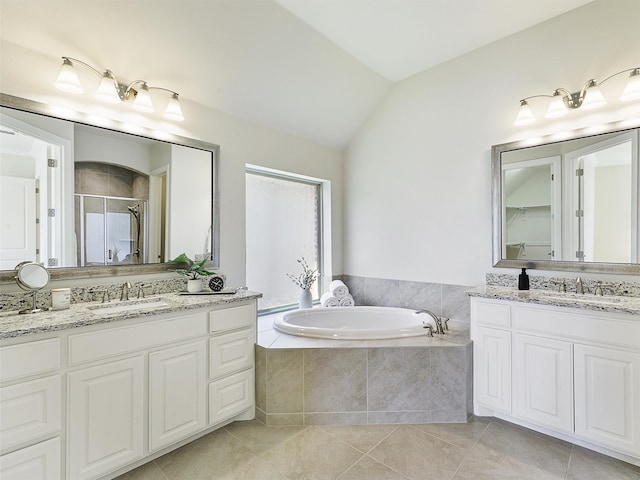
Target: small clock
<point>216,283</point>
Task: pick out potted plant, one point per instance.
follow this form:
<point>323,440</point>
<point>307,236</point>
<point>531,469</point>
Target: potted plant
<point>193,271</point>
<point>305,281</point>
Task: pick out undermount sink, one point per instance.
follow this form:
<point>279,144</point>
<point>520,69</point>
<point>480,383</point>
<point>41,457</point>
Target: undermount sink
<point>130,305</point>
<point>589,299</point>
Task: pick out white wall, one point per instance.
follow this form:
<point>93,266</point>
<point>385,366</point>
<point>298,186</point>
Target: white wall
<point>241,142</point>
<point>417,174</point>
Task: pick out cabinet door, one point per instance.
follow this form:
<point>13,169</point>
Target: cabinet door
<point>607,391</point>
<point>231,352</point>
<point>492,362</point>
<point>38,462</point>
<point>105,412</point>
<point>30,410</point>
<point>230,396</point>
<point>177,393</point>
<point>543,381</point>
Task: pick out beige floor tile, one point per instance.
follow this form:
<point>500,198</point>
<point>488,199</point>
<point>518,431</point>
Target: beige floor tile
<point>587,465</point>
<point>418,455</point>
<point>259,438</point>
<point>508,452</point>
<point>209,457</point>
<point>148,471</point>
<point>463,435</point>
<point>312,455</point>
<point>369,469</point>
<point>362,437</point>
<point>256,470</point>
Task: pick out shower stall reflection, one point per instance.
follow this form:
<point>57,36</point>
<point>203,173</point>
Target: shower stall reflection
<point>111,230</point>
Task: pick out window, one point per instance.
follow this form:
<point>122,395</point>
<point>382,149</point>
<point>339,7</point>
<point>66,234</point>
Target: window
<point>284,223</point>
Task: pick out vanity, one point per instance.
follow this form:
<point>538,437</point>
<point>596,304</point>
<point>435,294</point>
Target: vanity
<point>98,389</point>
<point>562,364</point>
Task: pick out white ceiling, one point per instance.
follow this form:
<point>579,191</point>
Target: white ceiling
<point>314,69</point>
<point>399,38</point>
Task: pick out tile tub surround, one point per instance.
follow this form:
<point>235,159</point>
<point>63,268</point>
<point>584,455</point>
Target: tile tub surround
<point>307,381</point>
<point>443,299</point>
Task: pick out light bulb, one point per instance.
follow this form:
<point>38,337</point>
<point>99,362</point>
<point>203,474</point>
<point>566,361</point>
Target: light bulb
<point>525,115</point>
<point>68,78</point>
<point>632,90</point>
<point>142,101</point>
<point>593,97</point>
<point>173,111</point>
<point>557,108</point>
<point>108,89</point>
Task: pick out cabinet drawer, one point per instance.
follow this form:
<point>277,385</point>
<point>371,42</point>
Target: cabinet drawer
<point>231,352</point>
<point>29,358</point>
<point>38,462</point>
<point>232,318</point>
<point>115,341</point>
<point>230,396</point>
<point>490,313</point>
<point>29,410</point>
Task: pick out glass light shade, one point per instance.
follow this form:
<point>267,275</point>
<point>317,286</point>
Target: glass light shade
<point>632,90</point>
<point>525,115</point>
<point>593,98</point>
<point>107,90</point>
<point>173,111</point>
<point>68,78</point>
<point>142,101</point>
<point>557,108</point>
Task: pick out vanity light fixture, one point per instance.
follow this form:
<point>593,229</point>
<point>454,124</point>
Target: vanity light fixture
<point>589,97</point>
<point>109,90</point>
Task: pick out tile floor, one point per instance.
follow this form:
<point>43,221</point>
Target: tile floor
<point>478,450</point>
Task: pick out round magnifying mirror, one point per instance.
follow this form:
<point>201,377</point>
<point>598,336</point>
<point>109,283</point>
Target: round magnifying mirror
<point>31,277</point>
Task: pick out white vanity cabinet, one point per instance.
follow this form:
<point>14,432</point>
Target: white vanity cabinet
<point>31,410</point>
<point>93,402</point>
<point>571,373</point>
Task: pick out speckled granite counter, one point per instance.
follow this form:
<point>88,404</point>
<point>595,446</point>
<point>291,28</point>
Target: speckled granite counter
<point>13,325</point>
<point>614,304</point>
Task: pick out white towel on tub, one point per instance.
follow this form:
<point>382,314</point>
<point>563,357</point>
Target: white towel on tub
<point>338,289</point>
<point>328,300</point>
<point>347,301</point>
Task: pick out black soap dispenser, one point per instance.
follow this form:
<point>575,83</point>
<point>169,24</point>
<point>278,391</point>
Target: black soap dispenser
<point>523,280</point>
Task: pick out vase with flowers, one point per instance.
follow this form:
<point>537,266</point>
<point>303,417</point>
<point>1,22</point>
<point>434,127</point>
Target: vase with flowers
<point>305,282</point>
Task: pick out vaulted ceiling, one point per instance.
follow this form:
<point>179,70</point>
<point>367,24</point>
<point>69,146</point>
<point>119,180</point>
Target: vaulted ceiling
<point>309,68</point>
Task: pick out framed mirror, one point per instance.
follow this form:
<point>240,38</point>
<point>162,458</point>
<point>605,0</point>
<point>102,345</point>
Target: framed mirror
<point>569,204</point>
<point>89,201</point>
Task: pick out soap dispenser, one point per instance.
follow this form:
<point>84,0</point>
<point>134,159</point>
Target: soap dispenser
<point>523,280</point>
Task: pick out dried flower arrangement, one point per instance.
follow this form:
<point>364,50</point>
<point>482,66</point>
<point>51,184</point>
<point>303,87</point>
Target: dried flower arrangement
<point>307,277</point>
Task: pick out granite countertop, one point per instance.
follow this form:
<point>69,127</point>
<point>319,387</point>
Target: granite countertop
<point>587,301</point>
<point>14,325</point>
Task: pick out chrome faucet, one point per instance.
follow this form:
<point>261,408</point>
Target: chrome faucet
<point>124,295</point>
<point>439,329</point>
<point>579,286</point>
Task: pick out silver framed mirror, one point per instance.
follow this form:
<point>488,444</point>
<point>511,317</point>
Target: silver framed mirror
<point>86,233</point>
<point>569,204</point>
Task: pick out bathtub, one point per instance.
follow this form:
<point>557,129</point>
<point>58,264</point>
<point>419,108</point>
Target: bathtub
<point>352,323</point>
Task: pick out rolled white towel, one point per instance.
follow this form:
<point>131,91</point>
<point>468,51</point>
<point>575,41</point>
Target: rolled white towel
<point>338,289</point>
<point>347,301</point>
<point>328,300</point>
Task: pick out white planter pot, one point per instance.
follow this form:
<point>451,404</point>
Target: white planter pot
<point>194,286</point>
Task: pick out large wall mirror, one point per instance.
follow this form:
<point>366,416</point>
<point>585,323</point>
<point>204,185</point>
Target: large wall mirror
<point>89,201</point>
<point>568,205</point>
